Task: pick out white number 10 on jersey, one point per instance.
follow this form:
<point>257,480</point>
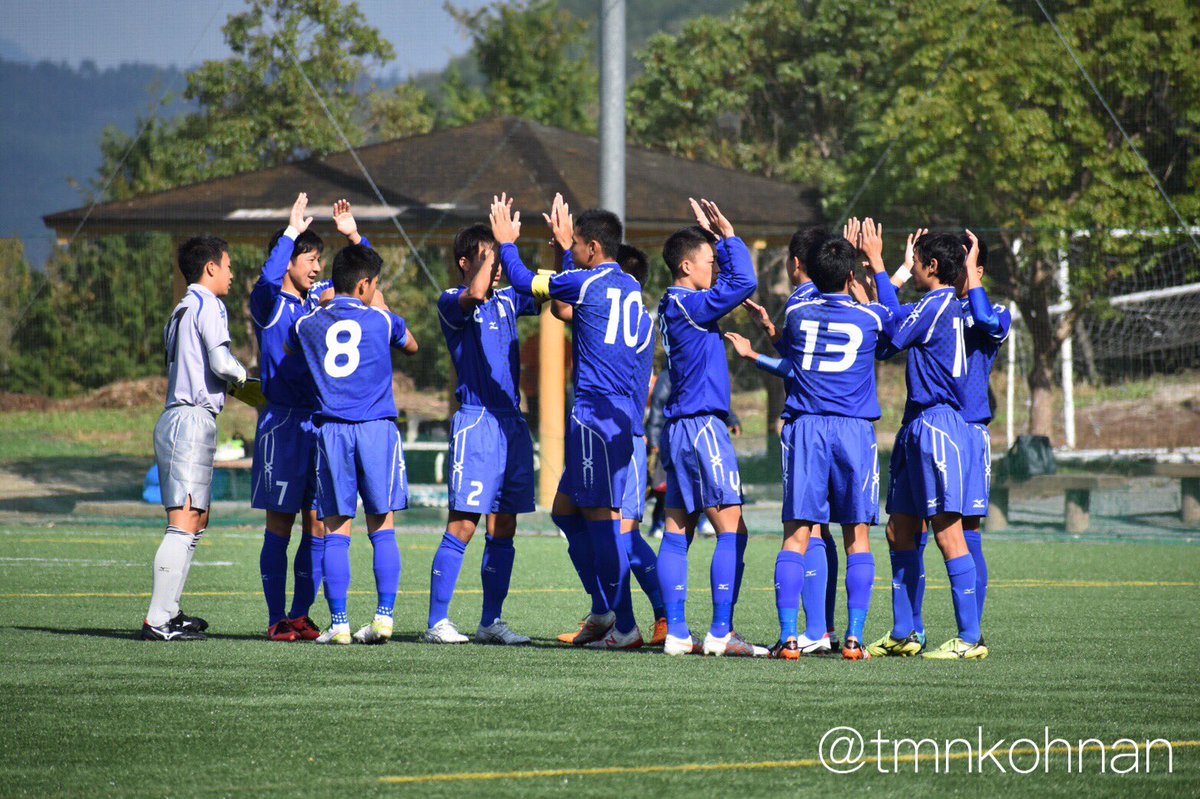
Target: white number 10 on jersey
<point>337,350</point>
<point>619,312</point>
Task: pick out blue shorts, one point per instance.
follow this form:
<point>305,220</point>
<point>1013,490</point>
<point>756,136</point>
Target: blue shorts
<point>928,463</point>
<point>599,449</point>
<point>633,506</point>
<point>977,468</point>
<point>701,466</point>
<point>360,458</point>
<point>491,462</point>
<point>830,470</point>
<point>283,475</point>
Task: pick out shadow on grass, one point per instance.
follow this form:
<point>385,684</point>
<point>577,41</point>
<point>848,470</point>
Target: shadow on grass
<point>133,634</point>
<point>61,481</point>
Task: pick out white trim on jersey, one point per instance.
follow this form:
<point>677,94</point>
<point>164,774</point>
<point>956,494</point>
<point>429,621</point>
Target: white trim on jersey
<point>386,316</point>
<point>686,316</point>
<point>584,287</point>
<point>936,317</point>
<point>866,310</point>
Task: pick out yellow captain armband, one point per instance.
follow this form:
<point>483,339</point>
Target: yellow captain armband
<point>541,284</point>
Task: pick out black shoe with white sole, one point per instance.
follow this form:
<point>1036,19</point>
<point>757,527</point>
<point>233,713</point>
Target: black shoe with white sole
<point>193,624</point>
<point>169,632</point>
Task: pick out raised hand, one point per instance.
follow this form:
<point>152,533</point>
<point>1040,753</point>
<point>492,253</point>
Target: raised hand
<point>561,222</point>
<point>506,226</point>
<point>741,345</point>
<point>972,264</point>
<point>911,243</point>
<point>858,291</point>
<point>871,243</point>
<point>343,219</point>
<point>709,217</point>
<point>760,317</point>
<point>297,219</point>
<point>852,232</point>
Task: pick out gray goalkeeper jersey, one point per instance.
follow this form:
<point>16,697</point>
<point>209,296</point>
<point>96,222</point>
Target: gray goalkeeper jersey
<point>197,324</point>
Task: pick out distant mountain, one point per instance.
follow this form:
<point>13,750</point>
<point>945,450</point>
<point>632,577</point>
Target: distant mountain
<point>51,118</point>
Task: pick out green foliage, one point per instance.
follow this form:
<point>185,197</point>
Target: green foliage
<point>536,62</point>
<point>404,111</point>
<point>255,109</point>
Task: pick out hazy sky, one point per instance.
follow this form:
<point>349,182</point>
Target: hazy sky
<point>185,32</point>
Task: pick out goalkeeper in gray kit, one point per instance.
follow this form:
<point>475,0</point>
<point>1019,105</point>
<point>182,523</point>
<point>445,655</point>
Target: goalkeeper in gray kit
<point>200,369</point>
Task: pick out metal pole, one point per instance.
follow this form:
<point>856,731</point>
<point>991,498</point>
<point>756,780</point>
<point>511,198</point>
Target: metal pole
<point>612,106</point>
<point>1010,390</point>
<point>1068,354</point>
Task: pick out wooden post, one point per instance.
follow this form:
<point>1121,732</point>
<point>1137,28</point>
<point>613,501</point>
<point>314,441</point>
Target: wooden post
<point>552,405</point>
<point>1189,494</point>
<point>997,519</point>
<point>1078,509</point>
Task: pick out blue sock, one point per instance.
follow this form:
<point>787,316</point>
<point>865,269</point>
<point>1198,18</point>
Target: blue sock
<point>860,579</point>
<point>307,574</point>
<point>722,577</point>
<point>443,576</point>
<point>644,565</point>
<point>673,581</point>
<point>975,545</point>
<point>831,582</point>
<point>961,571</point>
<point>906,572</point>
<point>387,570</point>
<point>789,582</point>
<point>612,570</point>
<point>579,550</point>
<point>816,575</point>
<point>273,565</point>
<point>918,597</point>
<point>741,541</point>
<point>495,572</point>
<point>337,576</point>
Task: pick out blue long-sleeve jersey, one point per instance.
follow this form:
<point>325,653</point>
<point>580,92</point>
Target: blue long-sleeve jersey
<point>987,328</point>
<point>485,347</point>
<point>932,331</point>
<point>831,343</point>
<point>285,379</point>
<point>691,334</point>
<point>607,325</point>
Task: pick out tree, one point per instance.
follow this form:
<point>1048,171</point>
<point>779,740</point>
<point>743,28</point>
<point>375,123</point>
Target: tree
<point>962,113</point>
<point>536,62</point>
<point>255,109</point>
<point>1013,139</point>
<point>404,111</point>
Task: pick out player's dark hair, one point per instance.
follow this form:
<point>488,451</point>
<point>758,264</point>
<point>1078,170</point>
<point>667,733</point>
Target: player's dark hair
<point>467,241</point>
<point>966,242</point>
<point>682,245</point>
<point>946,249</point>
<point>596,224</point>
<point>307,241</point>
<point>196,252</point>
<point>805,243</point>
<point>633,263</point>
<point>353,263</point>
<point>831,268</point>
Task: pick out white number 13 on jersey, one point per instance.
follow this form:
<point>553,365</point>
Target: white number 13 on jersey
<point>848,349</point>
<point>341,357</point>
<point>619,312</point>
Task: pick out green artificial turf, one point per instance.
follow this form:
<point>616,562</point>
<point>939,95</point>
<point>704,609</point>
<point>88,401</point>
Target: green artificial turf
<point>1093,641</point>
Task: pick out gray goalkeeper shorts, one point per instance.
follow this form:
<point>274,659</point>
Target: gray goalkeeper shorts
<point>185,440</point>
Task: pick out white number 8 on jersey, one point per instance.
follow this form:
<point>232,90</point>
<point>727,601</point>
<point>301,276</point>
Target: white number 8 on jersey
<point>336,349</point>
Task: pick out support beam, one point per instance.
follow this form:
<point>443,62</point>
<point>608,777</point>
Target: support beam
<point>552,405</point>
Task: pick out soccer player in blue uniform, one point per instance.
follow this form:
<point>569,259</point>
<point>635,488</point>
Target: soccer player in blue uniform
<point>200,368</point>
<point>643,561</point>
<point>347,347</point>
<point>819,597</point>
<point>607,327</point>
<point>697,452</point>
<point>491,450</point>
<point>830,457</point>
<point>283,477</point>
<point>927,465</point>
